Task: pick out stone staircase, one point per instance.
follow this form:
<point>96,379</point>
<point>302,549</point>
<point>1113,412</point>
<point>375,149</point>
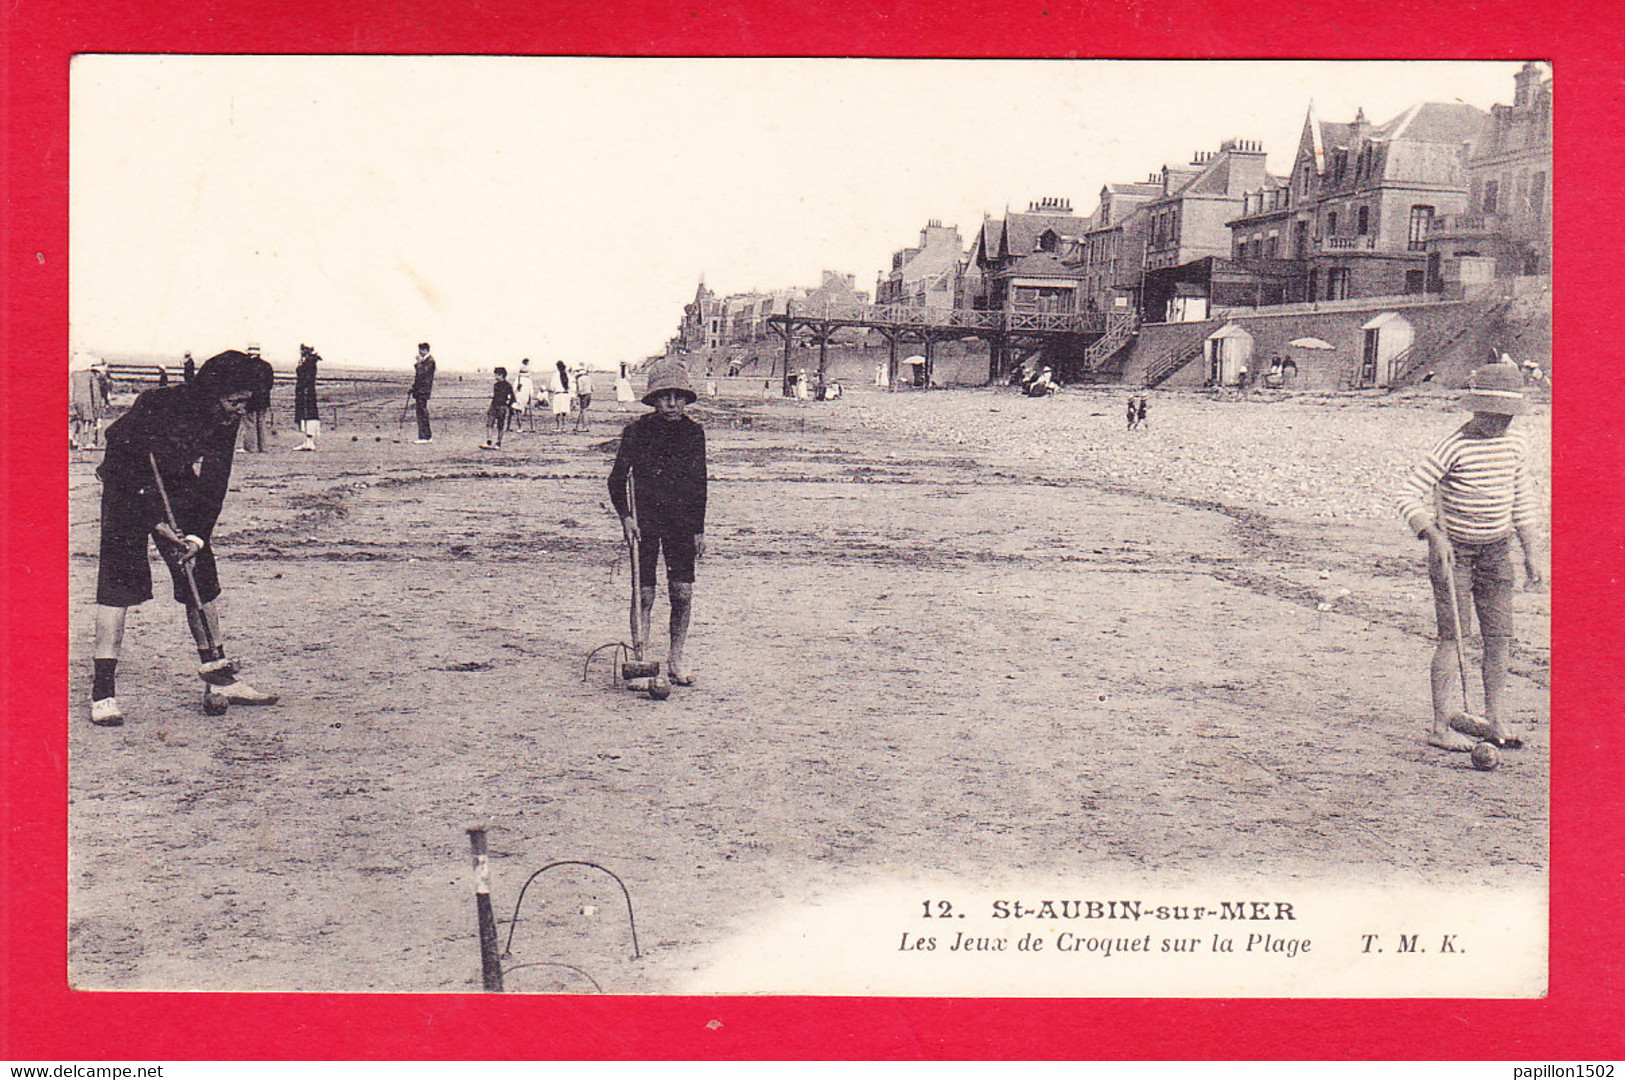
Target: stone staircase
<point>1159,370</point>
<point>1120,330</point>
<point>1433,347</point>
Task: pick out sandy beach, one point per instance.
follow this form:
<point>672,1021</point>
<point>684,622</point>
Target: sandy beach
<point>953,633</point>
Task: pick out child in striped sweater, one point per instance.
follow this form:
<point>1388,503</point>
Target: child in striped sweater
<point>1485,496</point>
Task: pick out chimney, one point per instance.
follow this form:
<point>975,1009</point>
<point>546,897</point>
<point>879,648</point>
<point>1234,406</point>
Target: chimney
<point>1524,83</point>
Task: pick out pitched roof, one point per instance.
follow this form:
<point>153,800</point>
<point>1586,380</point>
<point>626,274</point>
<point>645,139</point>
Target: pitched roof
<point>1433,121</point>
<point>1334,137</point>
<point>1021,231</point>
<point>1140,187</point>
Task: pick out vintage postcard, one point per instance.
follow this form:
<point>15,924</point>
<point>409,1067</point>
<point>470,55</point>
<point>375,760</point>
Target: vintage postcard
<point>809,526</point>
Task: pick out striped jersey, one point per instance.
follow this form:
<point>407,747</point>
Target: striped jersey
<point>1484,488</point>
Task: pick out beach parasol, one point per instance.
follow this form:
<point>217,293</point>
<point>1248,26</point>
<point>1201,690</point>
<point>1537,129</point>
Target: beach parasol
<point>1311,343</point>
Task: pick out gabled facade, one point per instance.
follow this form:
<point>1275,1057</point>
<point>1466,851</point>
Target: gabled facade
<point>1028,262</point>
<point>712,323</point>
<point>925,276</point>
<point>1506,228</point>
<point>1114,245</point>
<point>1361,202</point>
<point>836,290</point>
<point>702,321</point>
<point>1189,219</point>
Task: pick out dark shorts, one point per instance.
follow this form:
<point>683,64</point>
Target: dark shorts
<point>679,548</point>
<point>123,575</point>
<point>497,414</point>
<point>1484,581</point>
<point>583,401</point>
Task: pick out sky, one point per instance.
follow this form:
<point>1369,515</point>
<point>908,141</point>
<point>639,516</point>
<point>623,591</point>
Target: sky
<point>567,208</point>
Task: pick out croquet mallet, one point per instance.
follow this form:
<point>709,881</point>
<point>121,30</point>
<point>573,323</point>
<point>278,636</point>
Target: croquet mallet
<point>637,667</point>
<point>1465,721</point>
<point>213,703</point>
<point>632,665</point>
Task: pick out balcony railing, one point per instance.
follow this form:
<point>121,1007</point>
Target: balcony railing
<point>904,317</point>
<point>1521,228</point>
<point>1348,243</point>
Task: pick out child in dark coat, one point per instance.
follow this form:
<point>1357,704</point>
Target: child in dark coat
<point>496,417</point>
<point>151,453</point>
<point>662,460</point>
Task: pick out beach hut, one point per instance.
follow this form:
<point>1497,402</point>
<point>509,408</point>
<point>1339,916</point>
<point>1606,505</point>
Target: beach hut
<point>1388,340</point>
<point>1229,352</point>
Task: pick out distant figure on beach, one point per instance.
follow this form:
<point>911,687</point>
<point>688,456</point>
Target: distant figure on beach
<point>188,369</point>
<point>89,405</point>
<point>583,394</point>
<point>524,395</point>
<point>307,416</point>
<point>1144,412</point>
<point>658,486</point>
<point>623,386</point>
<point>422,390</point>
<point>163,376</point>
<point>558,396</point>
<point>1133,412</point>
<point>882,379</point>
<point>148,479</point>
<point>1272,377</point>
<point>254,420</point>
<point>496,417</point>
<point>1042,384</point>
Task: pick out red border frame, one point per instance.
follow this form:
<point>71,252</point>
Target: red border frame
<point>1580,1020</point>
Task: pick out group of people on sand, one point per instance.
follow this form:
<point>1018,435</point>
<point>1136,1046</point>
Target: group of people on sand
<point>167,470</point>
<point>513,403</point>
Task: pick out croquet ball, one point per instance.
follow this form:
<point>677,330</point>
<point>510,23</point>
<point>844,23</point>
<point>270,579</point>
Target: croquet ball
<point>1485,756</point>
<point>214,704</point>
<point>659,689</point>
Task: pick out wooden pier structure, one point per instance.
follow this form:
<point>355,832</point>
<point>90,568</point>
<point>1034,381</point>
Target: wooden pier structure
<point>1012,335</point>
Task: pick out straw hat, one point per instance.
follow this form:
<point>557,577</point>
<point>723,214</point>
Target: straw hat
<point>1496,388</point>
<point>669,375</point>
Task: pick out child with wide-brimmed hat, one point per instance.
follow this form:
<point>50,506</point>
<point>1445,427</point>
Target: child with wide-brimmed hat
<point>1480,478</point>
<point>663,455</point>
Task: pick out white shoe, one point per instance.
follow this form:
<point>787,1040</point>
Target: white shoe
<point>218,672</point>
<point>106,713</point>
<point>240,693</point>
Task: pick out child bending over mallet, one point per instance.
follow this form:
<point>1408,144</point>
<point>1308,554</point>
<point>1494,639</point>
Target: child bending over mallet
<point>1485,494</point>
<point>167,431</point>
<point>663,453</point>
